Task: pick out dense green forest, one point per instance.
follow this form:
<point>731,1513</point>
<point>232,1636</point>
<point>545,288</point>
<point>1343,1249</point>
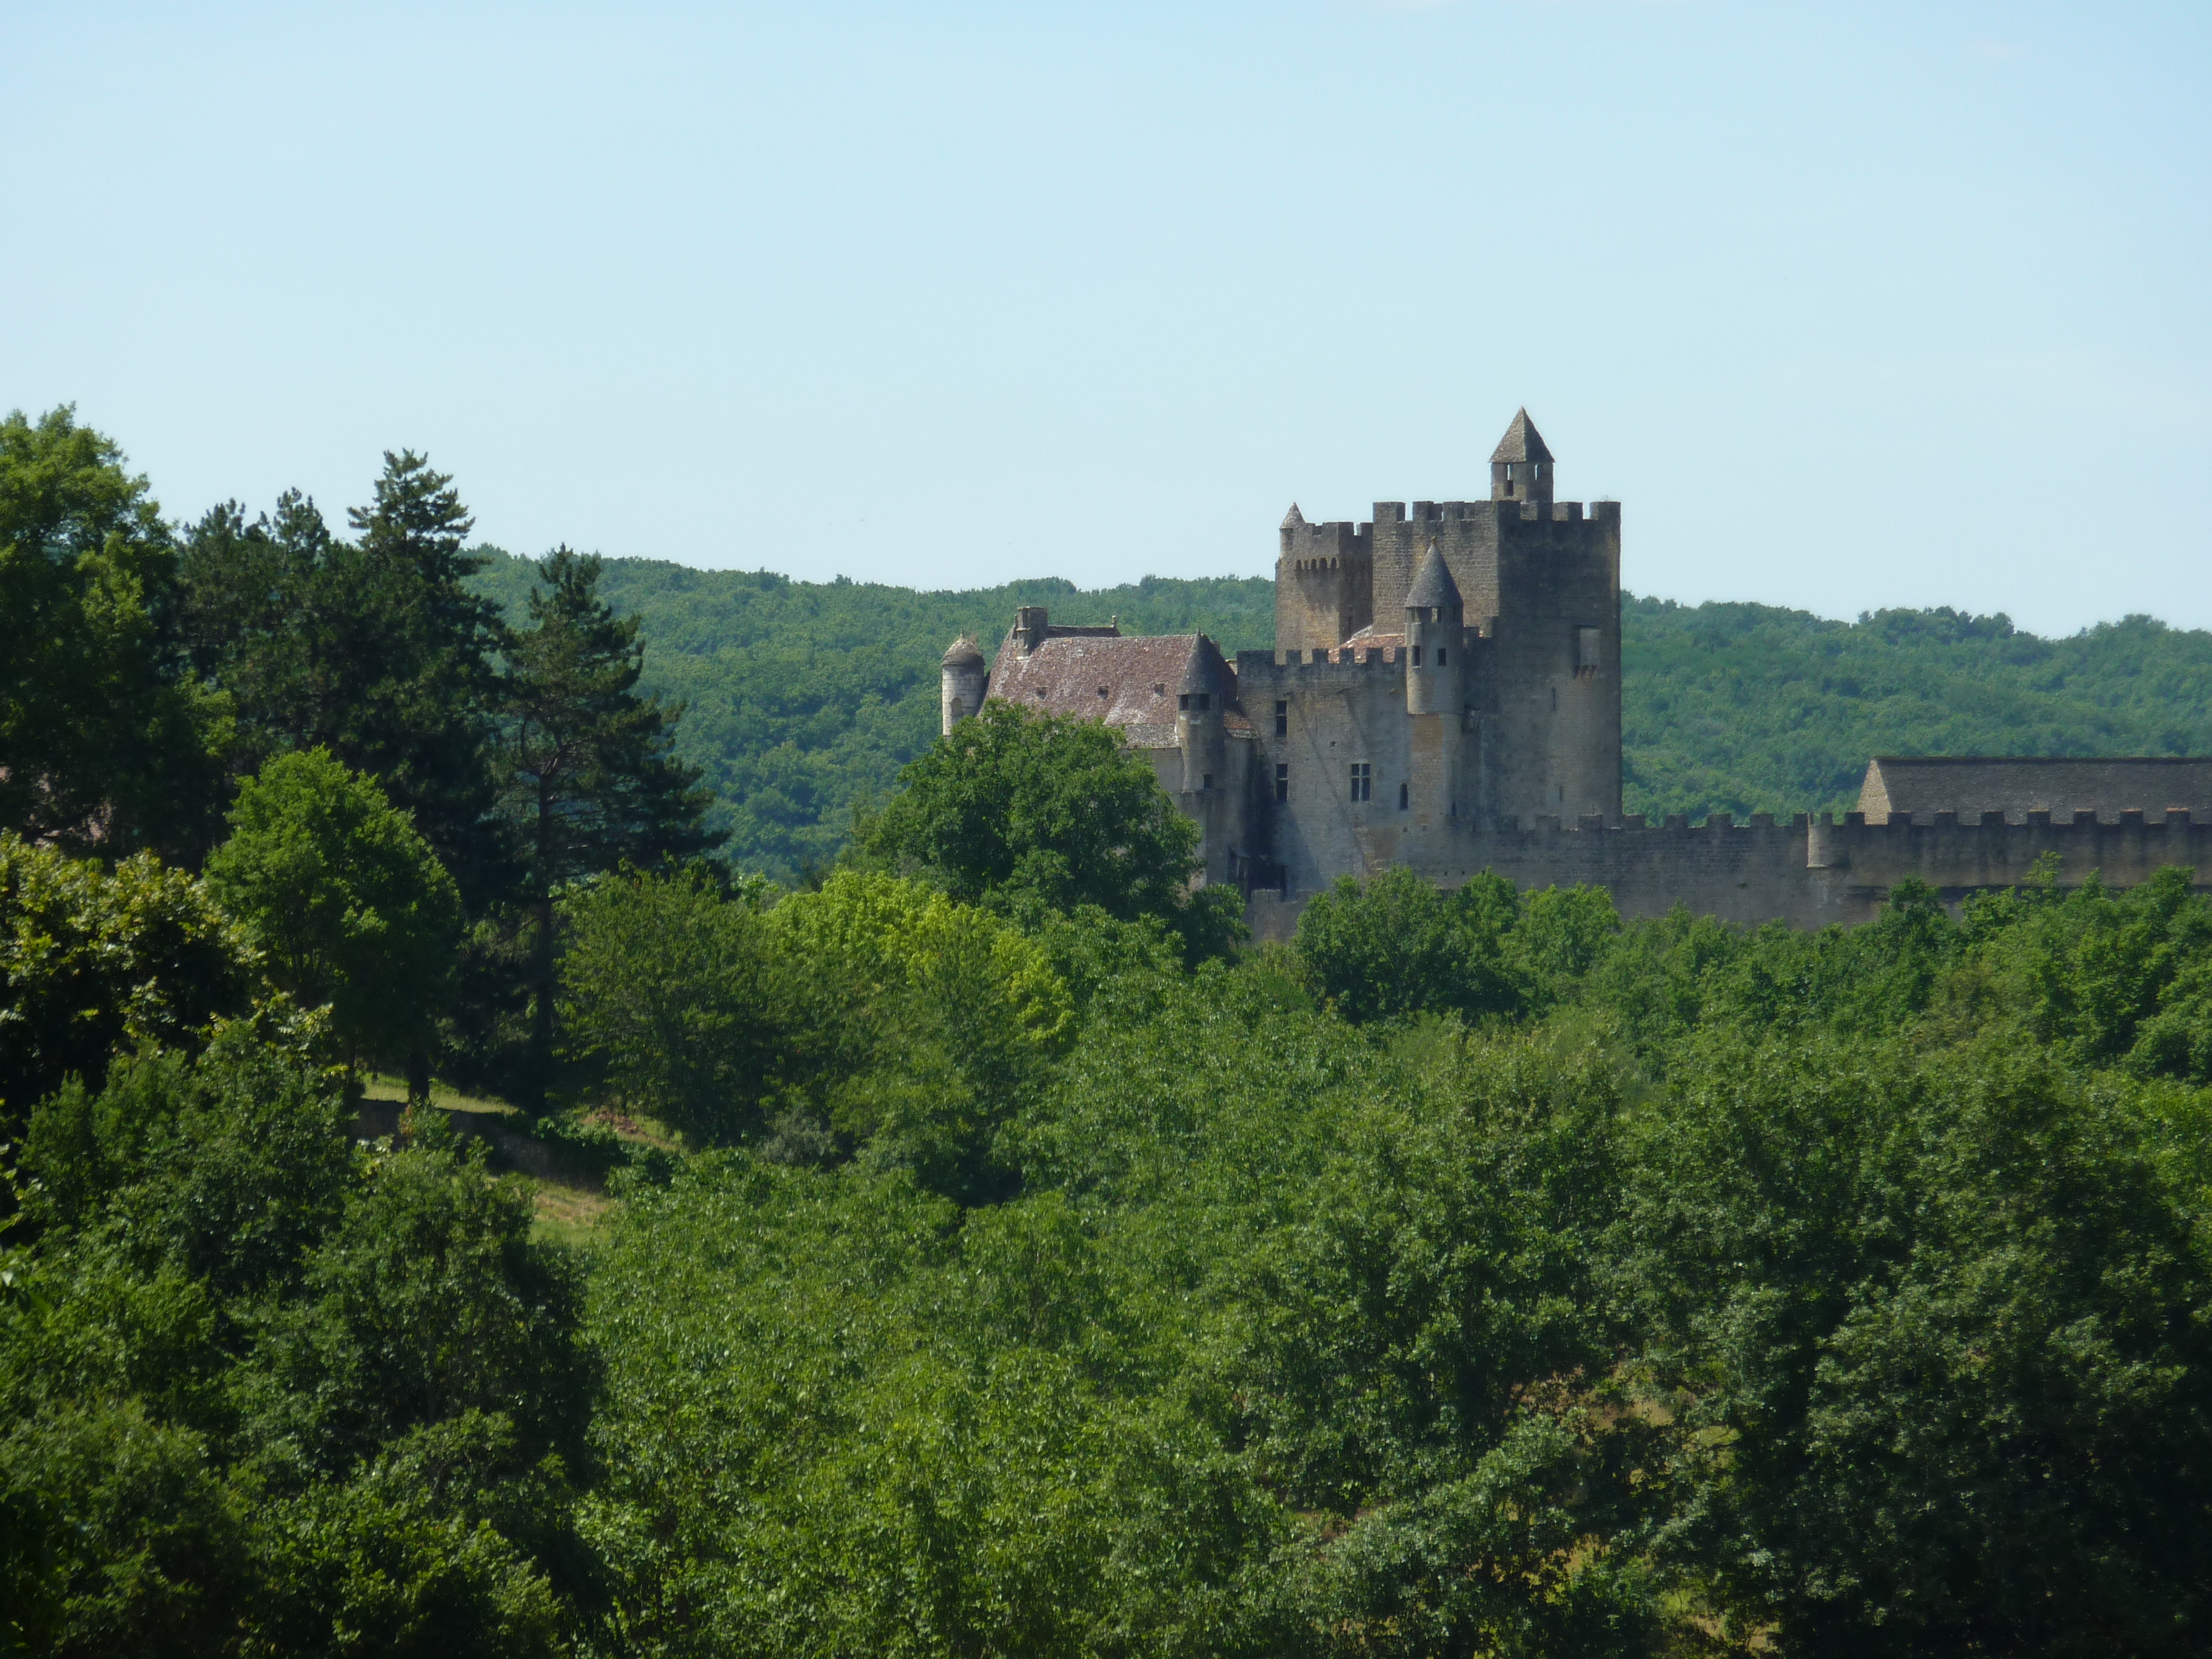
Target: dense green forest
<point>981,1247</point>
<point>806,698</point>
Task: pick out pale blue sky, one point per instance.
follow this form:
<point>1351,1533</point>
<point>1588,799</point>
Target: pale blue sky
<point>1858,306</point>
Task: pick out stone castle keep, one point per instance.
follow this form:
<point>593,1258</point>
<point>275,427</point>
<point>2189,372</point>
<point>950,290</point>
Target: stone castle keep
<point>1444,693</point>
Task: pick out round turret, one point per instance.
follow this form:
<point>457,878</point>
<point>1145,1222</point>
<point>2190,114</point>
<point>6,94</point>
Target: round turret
<point>1436,632</point>
<point>963,680</point>
<point>1200,706</point>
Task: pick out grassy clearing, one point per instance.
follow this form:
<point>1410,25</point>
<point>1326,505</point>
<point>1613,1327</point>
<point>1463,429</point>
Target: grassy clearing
<point>378,1086</point>
<point>568,1215</point>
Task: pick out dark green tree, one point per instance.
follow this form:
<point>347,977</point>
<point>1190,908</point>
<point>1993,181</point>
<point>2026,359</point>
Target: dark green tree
<point>259,608</point>
<point>377,649</point>
<point>1013,807</point>
<point>589,781</point>
<point>94,961</point>
<point>416,694</point>
<point>1396,946</point>
<point>673,999</point>
<point>1939,1321</point>
<point>106,743</point>
<point>350,906</point>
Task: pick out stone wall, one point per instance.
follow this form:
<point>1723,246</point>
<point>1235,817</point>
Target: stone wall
<point>1809,872</point>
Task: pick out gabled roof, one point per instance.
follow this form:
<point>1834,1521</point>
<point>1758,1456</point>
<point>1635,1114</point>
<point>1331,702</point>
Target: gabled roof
<point>1433,588</point>
<point>1129,680</point>
<point>1521,442</point>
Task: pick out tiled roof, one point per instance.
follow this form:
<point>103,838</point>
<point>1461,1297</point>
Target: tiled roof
<point>1970,785</point>
<point>1130,682</point>
<point>962,652</point>
<point>1368,638</point>
<point>1521,442</point>
<point>1293,518</point>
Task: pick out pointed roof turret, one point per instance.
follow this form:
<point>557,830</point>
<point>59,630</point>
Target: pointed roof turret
<point>1293,518</point>
<point>1521,442</point>
<point>1197,667</point>
<point>1433,588</point>
<point>963,654</point>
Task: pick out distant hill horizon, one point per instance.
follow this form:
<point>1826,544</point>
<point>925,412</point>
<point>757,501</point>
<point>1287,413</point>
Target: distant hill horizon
<point>805,698</point>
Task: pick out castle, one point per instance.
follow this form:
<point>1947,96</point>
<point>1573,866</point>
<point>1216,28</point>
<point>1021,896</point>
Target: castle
<point>1444,695</point>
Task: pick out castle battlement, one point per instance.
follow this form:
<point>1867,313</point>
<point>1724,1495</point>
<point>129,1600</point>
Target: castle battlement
<point>1346,663</point>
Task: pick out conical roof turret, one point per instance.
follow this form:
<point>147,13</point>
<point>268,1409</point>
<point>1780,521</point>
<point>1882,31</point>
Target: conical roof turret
<point>1197,667</point>
<point>964,654</point>
<point>1521,442</point>
<point>1293,518</point>
<point>1433,588</point>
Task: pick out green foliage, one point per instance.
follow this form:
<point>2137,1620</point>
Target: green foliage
<point>425,1302</point>
<point>1944,1329</point>
<point>262,1393</point>
<point>673,1001</point>
<point>227,1169</point>
<point>875,1014</point>
<point>350,907</point>
<point>1017,808</point>
<point>589,781</point>
<point>93,961</point>
<point>104,742</point>
<point>924,1025</point>
<point>837,1423</point>
<point>376,649</point>
<point>1396,946</point>
<point>1479,1276</point>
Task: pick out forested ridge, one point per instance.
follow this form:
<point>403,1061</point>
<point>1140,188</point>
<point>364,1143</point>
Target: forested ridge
<point>978,1246</point>
<point>806,698</point>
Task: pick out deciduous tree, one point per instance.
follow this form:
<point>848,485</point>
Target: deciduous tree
<point>350,905</point>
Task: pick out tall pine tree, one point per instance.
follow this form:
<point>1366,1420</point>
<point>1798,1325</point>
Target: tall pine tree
<point>589,777</point>
<point>413,683</point>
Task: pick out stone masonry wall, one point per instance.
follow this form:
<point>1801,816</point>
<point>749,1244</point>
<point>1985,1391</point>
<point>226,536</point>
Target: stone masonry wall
<point>1807,873</point>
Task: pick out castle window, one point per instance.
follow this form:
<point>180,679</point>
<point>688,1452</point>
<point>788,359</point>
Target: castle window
<point>1404,792</point>
<point>1282,720</point>
<point>1282,780</point>
<point>1183,702</point>
<point>1588,645</point>
<point>1363,780</point>
<point>1206,782</point>
<point>1417,656</point>
<point>1440,656</point>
